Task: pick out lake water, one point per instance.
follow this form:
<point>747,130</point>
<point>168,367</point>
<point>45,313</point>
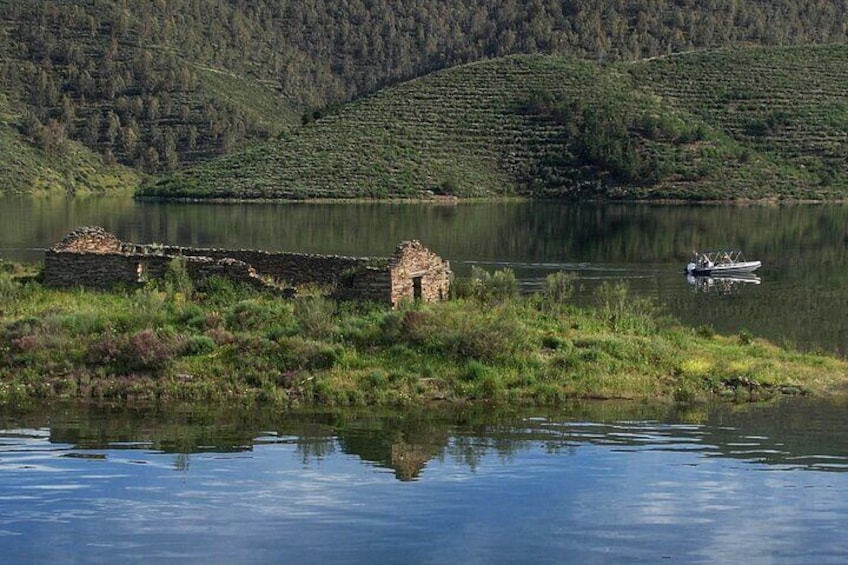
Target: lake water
<point>799,300</point>
<point>593,483</point>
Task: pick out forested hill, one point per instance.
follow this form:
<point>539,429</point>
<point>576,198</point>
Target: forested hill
<point>161,83</point>
<point>746,123</point>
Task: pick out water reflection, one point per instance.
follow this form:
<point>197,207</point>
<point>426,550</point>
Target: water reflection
<point>804,249</point>
<point>597,483</point>
<point>722,284</point>
<point>800,434</point>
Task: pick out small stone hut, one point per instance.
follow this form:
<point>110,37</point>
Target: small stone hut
<point>93,257</point>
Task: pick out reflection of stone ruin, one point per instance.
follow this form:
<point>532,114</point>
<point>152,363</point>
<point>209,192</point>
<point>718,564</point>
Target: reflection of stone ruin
<point>408,460</point>
<point>93,257</point>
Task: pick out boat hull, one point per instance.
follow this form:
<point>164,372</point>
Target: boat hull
<point>727,269</point>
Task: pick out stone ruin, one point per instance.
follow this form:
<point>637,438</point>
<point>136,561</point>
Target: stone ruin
<point>94,258</point>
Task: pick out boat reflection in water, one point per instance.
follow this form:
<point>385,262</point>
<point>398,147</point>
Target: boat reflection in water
<point>722,284</point>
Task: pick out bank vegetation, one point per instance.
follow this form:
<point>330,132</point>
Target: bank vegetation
<point>177,342</point>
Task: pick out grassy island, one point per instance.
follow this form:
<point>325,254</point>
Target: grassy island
<point>173,341</point>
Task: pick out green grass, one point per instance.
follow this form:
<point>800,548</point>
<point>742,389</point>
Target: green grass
<point>752,123</point>
<point>220,343</point>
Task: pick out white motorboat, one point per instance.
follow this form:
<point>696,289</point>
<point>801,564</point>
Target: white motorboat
<point>716,263</point>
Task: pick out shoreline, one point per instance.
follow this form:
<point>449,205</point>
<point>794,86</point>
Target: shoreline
<point>170,342</point>
<point>769,202</point>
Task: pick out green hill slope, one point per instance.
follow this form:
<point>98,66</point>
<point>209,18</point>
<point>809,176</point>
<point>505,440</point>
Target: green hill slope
<point>746,123</point>
<point>69,168</point>
<point>113,77</point>
<point>165,84</point>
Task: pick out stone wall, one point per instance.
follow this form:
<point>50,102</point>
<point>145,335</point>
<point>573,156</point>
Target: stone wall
<point>292,268</point>
<point>90,238</point>
<point>365,283</point>
<point>75,268</point>
<point>418,274</point>
<point>108,270</point>
<point>92,257</point>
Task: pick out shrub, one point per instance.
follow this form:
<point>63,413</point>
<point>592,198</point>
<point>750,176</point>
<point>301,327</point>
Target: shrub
<point>219,289</point>
<point>148,305</point>
<point>9,288</point>
<point>178,280</point>
<point>313,355</point>
<point>552,342</point>
<point>475,371</point>
<point>199,345</point>
<point>221,336</point>
<point>315,315</point>
<point>145,350</point>
<point>622,311</point>
<point>484,286</point>
<point>252,315</point>
<point>492,388</point>
<point>746,337</point>
<point>705,331</point>
<point>558,289</point>
<point>466,331</point>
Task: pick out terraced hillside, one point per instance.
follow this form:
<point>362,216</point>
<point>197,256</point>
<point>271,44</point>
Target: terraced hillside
<point>749,123</point>
<point>99,73</point>
<point>70,169</point>
<point>786,105</point>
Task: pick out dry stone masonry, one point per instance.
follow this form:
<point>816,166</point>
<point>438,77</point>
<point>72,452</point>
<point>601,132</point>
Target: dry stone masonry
<point>93,257</point>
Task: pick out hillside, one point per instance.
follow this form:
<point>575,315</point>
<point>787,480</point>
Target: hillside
<point>162,85</point>
<point>744,123</point>
<point>67,168</point>
<point>98,74</point>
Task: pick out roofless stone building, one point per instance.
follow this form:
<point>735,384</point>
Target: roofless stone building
<point>92,257</point>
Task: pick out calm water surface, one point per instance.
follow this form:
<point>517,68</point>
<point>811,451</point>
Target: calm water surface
<point>593,484</point>
<point>601,483</point>
<point>800,300</point>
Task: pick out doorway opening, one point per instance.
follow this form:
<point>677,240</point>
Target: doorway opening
<point>417,291</point>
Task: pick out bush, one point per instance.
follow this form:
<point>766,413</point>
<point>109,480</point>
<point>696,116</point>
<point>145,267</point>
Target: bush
<point>705,331</point>
<point>10,289</point>
<point>199,345</point>
<point>558,289</point>
<point>220,290</point>
<point>253,315</point>
<point>746,337</point>
<point>484,286</point>
<point>178,280</point>
<point>316,316</point>
<point>466,331</point>
<point>622,311</point>
<point>145,350</point>
<point>148,305</point>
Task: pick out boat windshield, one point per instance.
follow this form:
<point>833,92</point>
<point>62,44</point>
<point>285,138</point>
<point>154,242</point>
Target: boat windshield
<point>721,257</point>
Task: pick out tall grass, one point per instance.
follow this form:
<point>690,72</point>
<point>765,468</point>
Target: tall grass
<point>494,345</point>
<point>9,288</point>
<point>485,286</point>
<point>622,311</point>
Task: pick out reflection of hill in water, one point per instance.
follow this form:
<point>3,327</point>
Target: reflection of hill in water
<point>800,433</point>
<point>803,248</point>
